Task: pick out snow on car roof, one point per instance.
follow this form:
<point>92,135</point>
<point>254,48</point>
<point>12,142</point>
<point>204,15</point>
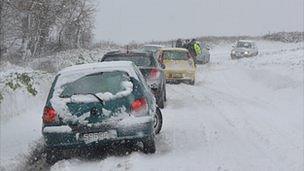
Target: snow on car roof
<point>175,49</point>
<point>125,53</point>
<point>125,66</point>
<point>249,41</point>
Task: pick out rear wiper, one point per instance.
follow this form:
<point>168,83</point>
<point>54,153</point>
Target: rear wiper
<point>99,99</point>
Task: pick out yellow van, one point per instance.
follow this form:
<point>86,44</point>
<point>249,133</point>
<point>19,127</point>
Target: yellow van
<point>179,65</point>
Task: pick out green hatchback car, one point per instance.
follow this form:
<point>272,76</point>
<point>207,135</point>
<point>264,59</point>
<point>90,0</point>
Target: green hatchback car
<point>96,104</point>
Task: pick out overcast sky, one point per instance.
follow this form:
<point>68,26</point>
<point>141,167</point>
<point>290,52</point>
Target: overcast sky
<point>123,21</point>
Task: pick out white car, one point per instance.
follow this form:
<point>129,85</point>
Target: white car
<point>244,48</point>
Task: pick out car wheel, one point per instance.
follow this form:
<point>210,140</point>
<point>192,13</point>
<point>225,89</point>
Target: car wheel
<point>53,155</point>
<point>149,145</point>
<point>130,145</point>
<point>192,82</point>
<point>158,121</point>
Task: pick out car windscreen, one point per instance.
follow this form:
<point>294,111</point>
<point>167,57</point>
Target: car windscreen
<point>175,55</point>
<point>102,82</point>
<point>140,61</point>
<point>244,45</point>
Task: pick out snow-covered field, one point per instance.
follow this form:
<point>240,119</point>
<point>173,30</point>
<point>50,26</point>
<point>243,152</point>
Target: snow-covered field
<point>242,114</point>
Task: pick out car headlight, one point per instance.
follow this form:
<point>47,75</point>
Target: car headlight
<point>246,53</point>
<point>233,52</point>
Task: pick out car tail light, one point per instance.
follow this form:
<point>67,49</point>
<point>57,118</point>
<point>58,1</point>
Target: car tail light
<point>139,107</point>
<point>49,115</point>
<point>154,73</point>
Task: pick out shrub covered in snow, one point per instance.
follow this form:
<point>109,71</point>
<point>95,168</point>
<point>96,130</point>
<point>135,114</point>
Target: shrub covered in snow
<point>18,80</point>
<point>56,62</point>
<point>21,89</point>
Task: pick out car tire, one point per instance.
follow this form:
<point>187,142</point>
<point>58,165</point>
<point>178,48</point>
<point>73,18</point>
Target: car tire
<point>165,93</point>
<point>192,82</point>
<point>130,145</point>
<point>149,145</point>
<point>53,155</point>
<point>161,100</point>
<point>158,121</point>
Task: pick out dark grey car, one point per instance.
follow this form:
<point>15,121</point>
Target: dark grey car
<point>152,71</point>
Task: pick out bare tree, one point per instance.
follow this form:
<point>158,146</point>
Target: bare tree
<point>33,27</point>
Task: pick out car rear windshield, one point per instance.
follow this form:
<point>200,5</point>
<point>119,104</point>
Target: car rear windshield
<point>95,83</point>
<point>244,45</point>
<point>140,61</point>
<point>175,55</point>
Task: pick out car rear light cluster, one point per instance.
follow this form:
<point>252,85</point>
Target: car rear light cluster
<point>154,73</point>
<point>139,107</point>
<point>49,115</point>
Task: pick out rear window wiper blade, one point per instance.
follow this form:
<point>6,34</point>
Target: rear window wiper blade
<point>99,99</point>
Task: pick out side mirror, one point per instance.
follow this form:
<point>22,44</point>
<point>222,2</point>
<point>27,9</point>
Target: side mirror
<point>163,66</point>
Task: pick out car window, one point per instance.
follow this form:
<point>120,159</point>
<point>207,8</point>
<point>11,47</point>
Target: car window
<point>96,83</point>
<point>244,45</point>
<point>141,61</point>
<point>175,55</point>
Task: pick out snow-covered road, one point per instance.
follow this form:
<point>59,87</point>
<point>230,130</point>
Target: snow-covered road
<point>241,115</point>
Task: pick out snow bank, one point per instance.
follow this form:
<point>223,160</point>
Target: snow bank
<point>24,92</point>
<point>21,90</point>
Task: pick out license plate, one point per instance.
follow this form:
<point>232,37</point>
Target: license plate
<point>98,136</point>
<point>177,75</point>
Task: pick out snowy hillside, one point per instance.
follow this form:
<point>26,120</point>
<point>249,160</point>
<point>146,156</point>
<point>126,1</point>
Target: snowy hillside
<point>242,114</point>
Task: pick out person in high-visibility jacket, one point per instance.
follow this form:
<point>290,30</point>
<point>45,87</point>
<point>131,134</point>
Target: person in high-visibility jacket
<point>195,49</point>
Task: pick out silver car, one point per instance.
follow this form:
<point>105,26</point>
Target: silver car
<point>244,48</point>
